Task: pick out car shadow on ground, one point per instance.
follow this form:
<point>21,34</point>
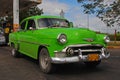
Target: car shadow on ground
<point>71,68</point>
<point>76,68</point>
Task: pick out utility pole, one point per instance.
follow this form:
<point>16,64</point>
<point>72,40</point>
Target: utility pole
<point>15,15</point>
<point>115,35</point>
<point>88,20</point>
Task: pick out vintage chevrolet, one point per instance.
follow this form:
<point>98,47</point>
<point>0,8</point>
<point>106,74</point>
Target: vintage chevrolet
<point>54,40</point>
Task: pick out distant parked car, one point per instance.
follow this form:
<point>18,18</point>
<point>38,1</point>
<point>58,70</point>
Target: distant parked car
<point>2,37</point>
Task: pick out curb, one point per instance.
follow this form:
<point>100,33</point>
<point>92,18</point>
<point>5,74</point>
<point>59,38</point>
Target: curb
<point>113,47</point>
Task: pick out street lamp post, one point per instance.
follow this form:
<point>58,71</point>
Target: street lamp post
<point>15,15</point>
<point>88,20</point>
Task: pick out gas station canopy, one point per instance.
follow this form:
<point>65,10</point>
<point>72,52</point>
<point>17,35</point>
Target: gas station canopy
<point>6,6</point>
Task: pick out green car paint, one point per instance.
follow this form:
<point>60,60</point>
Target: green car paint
<point>29,41</point>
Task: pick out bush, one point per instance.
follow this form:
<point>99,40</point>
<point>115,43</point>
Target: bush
<point>112,37</point>
<point>114,43</point>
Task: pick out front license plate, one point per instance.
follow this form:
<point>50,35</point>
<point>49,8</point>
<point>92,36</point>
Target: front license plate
<point>93,57</point>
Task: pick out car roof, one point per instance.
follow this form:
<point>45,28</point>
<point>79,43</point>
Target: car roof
<point>42,16</point>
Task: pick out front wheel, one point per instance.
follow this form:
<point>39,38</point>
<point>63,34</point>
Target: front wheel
<point>45,61</point>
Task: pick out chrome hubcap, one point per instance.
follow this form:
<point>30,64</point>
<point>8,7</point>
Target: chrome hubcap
<point>44,60</point>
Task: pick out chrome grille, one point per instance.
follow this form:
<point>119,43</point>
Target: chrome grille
<point>85,50</point>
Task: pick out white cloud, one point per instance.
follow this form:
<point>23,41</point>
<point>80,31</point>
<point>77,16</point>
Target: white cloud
<point>108,2</point>
<point>74,14</point>
<point>53,7</point>
<point>82,20</point>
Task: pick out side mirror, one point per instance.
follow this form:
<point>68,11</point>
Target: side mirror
<point>71,24</point>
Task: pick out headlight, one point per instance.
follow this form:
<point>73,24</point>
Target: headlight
<point>62,38</point>
<point>106,39</point>
<point>70,51</point>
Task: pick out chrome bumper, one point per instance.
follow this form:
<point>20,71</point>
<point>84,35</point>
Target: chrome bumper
<point>104,55</point>
<point>75,59</point>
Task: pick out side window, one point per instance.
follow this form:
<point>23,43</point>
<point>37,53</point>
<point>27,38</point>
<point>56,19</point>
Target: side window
<point>23,25</point>
<point>31,25</point>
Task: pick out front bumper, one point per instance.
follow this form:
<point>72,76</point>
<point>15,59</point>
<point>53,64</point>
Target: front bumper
<point>104,54</point>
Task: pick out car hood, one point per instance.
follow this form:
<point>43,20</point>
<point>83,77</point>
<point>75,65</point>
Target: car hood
<point>71,33</point>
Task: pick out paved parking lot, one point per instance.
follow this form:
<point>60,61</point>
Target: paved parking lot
<point>25,68</point>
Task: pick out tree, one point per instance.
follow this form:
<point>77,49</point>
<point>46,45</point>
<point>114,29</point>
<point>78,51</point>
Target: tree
<point>32,11</point>
<point>108,13</point>
<point>5,19</point>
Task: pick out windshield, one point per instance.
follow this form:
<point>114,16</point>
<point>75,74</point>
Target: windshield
<point>52,22</point>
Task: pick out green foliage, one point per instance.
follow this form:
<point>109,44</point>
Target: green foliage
<point>108,13</point>
<point>6,19</point>
<point>32,11</point>
<point>112,37</point>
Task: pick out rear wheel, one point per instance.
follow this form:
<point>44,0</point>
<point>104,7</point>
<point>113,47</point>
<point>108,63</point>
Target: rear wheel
<point>14,51</point>
<point>45,61</point>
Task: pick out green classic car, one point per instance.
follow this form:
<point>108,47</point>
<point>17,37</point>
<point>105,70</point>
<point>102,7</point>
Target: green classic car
<point>53,40</point>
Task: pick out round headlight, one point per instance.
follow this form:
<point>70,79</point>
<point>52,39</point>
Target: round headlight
<point>62,38</point>
<point>106,39</point>
<point>70,51</point>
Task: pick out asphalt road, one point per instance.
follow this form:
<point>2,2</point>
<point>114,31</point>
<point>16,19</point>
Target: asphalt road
<point>26,68</point>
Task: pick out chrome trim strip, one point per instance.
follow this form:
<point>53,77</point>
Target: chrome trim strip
<point>33,43</point>
<point>89,50</point>
<point>30,42</point>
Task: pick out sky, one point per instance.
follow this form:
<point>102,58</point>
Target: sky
<point>74,13</point>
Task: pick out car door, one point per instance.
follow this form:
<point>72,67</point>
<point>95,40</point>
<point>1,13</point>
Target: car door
<point>20,35</point>
<point>29,45</point>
